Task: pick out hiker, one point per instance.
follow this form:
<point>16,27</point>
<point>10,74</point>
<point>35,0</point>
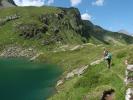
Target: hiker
<point>108,57</point>
<point>105,52</point>
<point>108,95</point>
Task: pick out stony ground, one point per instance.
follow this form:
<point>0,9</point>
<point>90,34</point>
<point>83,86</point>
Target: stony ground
<point>129,80</point>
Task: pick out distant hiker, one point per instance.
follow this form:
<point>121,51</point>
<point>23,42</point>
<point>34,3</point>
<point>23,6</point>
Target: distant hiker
<point>108,95</point>
<point>105,52</point>
<point>108,57</point>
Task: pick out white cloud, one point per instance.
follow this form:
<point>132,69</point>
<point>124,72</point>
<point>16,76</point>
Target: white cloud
<point>86,16</point>
<point>75,2</point>
<point>98,3</point>
<point>29,2</point>
<point>49,2</point>
<point>33,2</point>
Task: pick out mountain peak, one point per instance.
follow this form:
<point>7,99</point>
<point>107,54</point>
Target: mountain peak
<point>123,31</point>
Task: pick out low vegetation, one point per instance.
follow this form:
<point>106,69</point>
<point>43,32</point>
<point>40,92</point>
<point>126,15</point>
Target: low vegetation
<point>98,78</point>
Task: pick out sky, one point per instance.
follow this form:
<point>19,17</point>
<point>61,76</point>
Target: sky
<point>112,15</point>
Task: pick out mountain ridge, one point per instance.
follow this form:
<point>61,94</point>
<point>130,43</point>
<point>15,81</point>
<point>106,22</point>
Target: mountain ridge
<point>54,25</point>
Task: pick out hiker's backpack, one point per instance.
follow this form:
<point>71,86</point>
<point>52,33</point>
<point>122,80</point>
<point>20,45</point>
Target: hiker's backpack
<point>109,56</point>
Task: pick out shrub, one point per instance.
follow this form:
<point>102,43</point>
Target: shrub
<point>121,55</point>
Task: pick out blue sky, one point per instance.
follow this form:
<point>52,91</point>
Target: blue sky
<point>110,14</point>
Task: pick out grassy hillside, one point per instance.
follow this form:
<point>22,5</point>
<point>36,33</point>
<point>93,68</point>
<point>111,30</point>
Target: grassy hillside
<point>98,34</point>
<point>96,79</point>
<point>42,26</point>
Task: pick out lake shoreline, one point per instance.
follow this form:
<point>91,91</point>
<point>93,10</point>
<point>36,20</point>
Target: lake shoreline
<point>51,68</point>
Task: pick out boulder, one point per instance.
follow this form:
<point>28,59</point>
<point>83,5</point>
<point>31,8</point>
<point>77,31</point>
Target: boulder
<point>129,94</point>
<point>77,71</point>
<point>60,82</point>
<point>130,67</point>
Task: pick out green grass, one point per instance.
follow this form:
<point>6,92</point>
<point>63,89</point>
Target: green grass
<point>8,33</point>
<point>130,74</point>
<point>97,78</point>
<point>72,59</point>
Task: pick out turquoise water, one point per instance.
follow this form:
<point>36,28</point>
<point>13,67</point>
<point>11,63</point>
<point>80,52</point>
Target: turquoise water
<point>24,80</point>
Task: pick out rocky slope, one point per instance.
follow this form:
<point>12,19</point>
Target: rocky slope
<point>105,36</point>
<point>7,3</point>
<point>52,25</point>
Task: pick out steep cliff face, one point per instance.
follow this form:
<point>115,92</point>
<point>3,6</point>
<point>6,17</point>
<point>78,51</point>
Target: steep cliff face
<point>12,2</point>
<point>7,3</point>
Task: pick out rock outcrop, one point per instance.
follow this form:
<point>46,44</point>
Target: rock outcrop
<point>7,3</point>
<point>6,19</point>
<point>12,2</point>
<point>32,30</point>
<point>129,80</point>
<point>129,94</point>
<point>77,72</point>
<point>17,51</point>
